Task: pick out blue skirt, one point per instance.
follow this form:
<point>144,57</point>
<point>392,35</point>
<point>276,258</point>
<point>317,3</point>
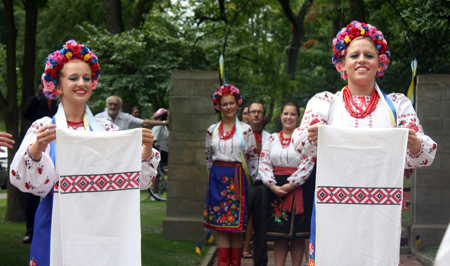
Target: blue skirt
<point>225,211</point>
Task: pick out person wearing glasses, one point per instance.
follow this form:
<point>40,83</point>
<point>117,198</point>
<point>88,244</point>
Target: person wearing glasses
<point>257,193</point>
<point>113,112</point>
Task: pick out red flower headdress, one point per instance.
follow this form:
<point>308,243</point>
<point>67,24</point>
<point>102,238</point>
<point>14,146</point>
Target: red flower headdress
<point>56,60</point>
<point>224,90</point>
<point>352,31</point>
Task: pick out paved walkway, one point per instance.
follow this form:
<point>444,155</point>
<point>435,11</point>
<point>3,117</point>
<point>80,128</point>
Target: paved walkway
<point>405,260</point>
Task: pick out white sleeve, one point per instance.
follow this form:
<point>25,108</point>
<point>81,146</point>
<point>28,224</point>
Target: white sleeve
<point>407,117</point>
<point>250,152</point>
<point>208,151</point>
<point>148,169</point>
<point>303,171</point>
<point>265,164</point>
<point>317,111</point>
<point>29,174</point>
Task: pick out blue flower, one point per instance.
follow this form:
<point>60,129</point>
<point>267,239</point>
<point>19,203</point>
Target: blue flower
<point>339,45</point>
<point>53,62</point>
<point>48,77</point>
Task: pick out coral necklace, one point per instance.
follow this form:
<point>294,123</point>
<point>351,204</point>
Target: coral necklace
<point>284,141</point>
<point>349,103</point>
<point>228,134</point>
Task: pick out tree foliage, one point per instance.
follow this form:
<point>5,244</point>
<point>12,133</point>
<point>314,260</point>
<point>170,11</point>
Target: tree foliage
<point>135,65</point>
<point>255,37</point>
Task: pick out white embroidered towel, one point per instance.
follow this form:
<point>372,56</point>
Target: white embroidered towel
<point>359,189</point>
<point>443,255</point>
<point>99,197</point>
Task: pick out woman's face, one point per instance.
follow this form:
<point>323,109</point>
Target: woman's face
<point>228,106</point>
<point>361,61</point>
<point>75,83</point>
<point>245,115</point>
<point>136,113</point>
<point>289,118</point>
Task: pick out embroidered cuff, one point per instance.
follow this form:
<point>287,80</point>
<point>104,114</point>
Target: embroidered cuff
<point>419,153</point>
<point>148,160</point>
<point>31,156</point>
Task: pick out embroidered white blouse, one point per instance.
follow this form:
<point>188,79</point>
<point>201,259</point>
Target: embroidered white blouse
<point>38,176</point>
<point>322,108</point>
<point>274,154</point>
<point>229,150</point>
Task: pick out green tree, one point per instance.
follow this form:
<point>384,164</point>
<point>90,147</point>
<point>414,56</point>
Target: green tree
<point>136,65</point>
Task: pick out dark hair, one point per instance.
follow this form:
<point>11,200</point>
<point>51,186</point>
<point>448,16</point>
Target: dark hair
<point>247,105</point>
<point>291,104</point>
<point>135,108</point>
<point>264,108</point>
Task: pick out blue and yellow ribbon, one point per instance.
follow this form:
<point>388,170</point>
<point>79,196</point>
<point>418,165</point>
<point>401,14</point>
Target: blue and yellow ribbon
<point>222,69</point>
<point>410,94</point>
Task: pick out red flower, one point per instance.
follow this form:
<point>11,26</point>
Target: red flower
<point>230,218</point>
<point>413,126</point>
<point>13,172</point>
<point>314,121</point>
<point>76,50</point>
<point>27,186</point>
<point>255,150</point>
<point>39,170</point>
<point>95,67</point>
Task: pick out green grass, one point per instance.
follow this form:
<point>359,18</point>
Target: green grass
<point>406,182</point>
<point>431,251</point>
<point>155,250</point>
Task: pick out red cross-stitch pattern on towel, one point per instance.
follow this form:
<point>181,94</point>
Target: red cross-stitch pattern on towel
<point>92,183</point>
<point>346,195</point>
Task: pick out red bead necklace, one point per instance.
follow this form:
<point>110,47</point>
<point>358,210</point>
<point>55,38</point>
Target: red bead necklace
<point>284,142</point>
<point>349,103</point>
<point>228,134</point>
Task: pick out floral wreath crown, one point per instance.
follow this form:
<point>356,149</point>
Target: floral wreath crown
<point>355,30</point>
<point>224,90</point>
<point>56,60</point>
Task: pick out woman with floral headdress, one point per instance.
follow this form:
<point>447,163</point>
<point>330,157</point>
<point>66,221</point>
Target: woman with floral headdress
<point>231,160</point>
<point>71,74</point>
<point>360,54</point>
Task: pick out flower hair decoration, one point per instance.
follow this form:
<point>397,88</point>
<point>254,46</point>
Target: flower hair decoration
<point>56,60</point>
<point>355,30</point>
<point>224,90</point>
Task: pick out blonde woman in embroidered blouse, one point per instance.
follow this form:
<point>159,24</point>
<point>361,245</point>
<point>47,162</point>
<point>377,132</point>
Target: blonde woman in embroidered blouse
<point>290,194</point>
<point>226,197</point>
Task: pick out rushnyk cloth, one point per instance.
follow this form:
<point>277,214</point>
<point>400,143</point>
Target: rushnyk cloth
<point>359,190</point>
<point>98,200</point>
<point>443,255</point>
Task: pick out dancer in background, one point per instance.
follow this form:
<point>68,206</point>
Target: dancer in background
<point>291,194</point>
<point>231,160</point>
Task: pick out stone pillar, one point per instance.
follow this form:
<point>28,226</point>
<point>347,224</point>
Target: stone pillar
<point>191,113</point>
<point>430,186</point>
